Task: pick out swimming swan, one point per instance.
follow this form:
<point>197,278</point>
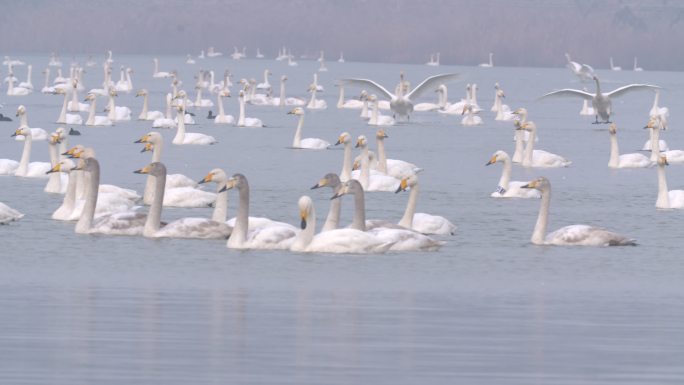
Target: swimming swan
<point>222,118</point>
<point>32,169</point>
<point>507,188</point>
<point>573,235</point>
<point>183,137</point>
<point>539,158</point>
<point>673,156</point>
<point>245,121</point>
<point>372,181</point>
<point>37,133</point>
<point>634,160</point>
<point>64,117</point>
<point>672,199</point>
<point>144,113</point>
<point>8,214</point>
<point>308,143</point>
<point>421,222</point>
<point>95,120</point>
<point>331,180</point>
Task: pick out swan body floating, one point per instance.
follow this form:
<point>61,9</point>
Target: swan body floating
<point>634,160</point>
<point>672,199</point>
<point>395,168</point>
<point>636,66</point>
<point>308,143</point>
<point>244,121</point>
<point>117,113</point>
<point>166,121</point>
<point>349,103</point>
<point>64,117</point>
<point>284,101</point>
<point>470,119</point>
<point>573,235</point>
<point>222,118</point>
<point>372,181</point>
<point>57,182</point>
<point>8,214</point>
<point>159,74</point>
<point>125,84</point>
<point>183,137</point>
<point>421,222</point>
<point>331,180</point>
<point>539,158</point>
<point>25,168</point>
<point>402,104</point>
<point>506,187</point>
<point>601,102</point>
<point>583,71</point>
<point>182,228</point>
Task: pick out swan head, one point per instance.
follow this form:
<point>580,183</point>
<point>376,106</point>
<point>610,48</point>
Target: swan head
<point>225,93</point>
<point>305,205</point>
<point>612,129</point>
<point>216,175</point>
<point>59,91</point>
<point>296,111</point>
<point>72,150</point>
<point>381,134</point>
<point>151,137</point>
<point>55,138</point>
<point>82,152</point>
<point>141,92</point>
<point>237,180</point>
<point>147,147</point>
<point>361,141</point>
<point>61,132</point>
<point>21,110</point>
<point>283,78</point>
<point>112,92</point>
<point>351,186</point>
<point>64,165</point>
<point>344,138</point>
<point>154,169</point>
<point>89,98</point>
<point>330,179</point>
<point>407,183</point>
<point>22,131</point>
<point>662,161</point>
<point>497,157</point>
<point>527,126</point>
<point>241,95</point>
<point>541,184</point>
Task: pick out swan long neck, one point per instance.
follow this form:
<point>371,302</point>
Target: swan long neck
<point>614,160</point>
<point>74,100</point>
<point>112,108</point>
<point>220,212</point>
<point>656,101</point>
<point>153,220</point>
<point>598,86</point>
<point>168,106</point>
<point>91,113</point>
<point>365,168</point>
<point>505,174</point>
<point>239,235</point>
<point>407,219</point>
<point>282,93</point>
<point>529,149</point>
<point>359,221</point>
<point>663,201</point>
<point>364,108</point>
<point>143,113</point>
<point>47,78</point>
<point>69,200</point>
<point>221,111</point>
<point>345,174</point>
<point>55,177</point>
<point>304,238</point>
<point>241,118</point>
<point>62,114</point>
<point>539,233</point>
<point>374,113</point>
<point>86,221</point>
<point>23,120</point>
<point>444,98</point>
<point>25,156</point>
<point>382,156</point>
<point>297,141</point>
<point>198,99</point>
<point>655,143</point>
<point>180,132</point>
<point>340,100</point>
<point>332,221</point>
<point>156,66</point>
<point>312,101</point>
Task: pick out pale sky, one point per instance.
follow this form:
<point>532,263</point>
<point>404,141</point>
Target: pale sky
<point>518,32</point>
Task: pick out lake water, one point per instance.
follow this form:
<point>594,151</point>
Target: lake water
<point>488,308</point>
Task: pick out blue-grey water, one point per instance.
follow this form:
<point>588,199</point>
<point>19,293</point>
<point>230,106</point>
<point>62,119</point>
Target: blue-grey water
<point>488,308</point>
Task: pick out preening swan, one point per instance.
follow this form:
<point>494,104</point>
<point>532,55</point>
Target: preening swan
<point>507,188</point>
<point>583,71</point>
<point>351,241</point>
<point>421,222</point>
<point>672,199</point>
<point>634,160</point>
<point>539,158</point>
<point>270,237</point>
<point>181,228</point>
<point>183,137</point>
<point>145,114</point>
<point>308,143</point>
<point>32,169</point>
<point>573,235</point>
<point>8,214</point>
<point>601,102</point>
<point>402,104</point>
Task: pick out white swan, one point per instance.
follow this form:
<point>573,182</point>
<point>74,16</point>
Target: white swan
<point>125,84</point>
<point>395,168</point>
<point>372,181</point>
<point>199,102</point>
<point>265,85</point>
<point>470,119</point>
<point>64,117</point>
<point>489,64</point>
<point>506,187</point>
<point>636,67</point>
<point>81,152</point>
<point>634,160</point>
<point>245,121</point>
<point>13,90</point>
<point>662,113</point>
<point>181,228</point>
<point>376,118</point>
<point>95,120</point>
<point>349,103</point>
<point>583,71</point>
<point>600,101</point>
<point>351,241</point>
<point>341,58</point>
<point>74,105</point>
<point>539,158</point>
<point>402,104</point>
<point>614,67</point>
<point>332,220</point>
<point>421,222</point>
<point>159,74</point>
<point>27,84</point>
<point>57,182</point>
<point>183,137</point>
<point>189,59</point>
<point>8,214</point>
<point>166,121</point>
<point>259,55</point>
<point>270,237</point>
<point>120,223</point>
<point>37,133</point>
<point>117,113</point>
<point>586,110</point>
<point>672,199</point>
<point>573,235</point>
<point>315,104</point>
<point>455,108</point>
<point>222,118</point>
<point>285,101</point>
<point>673,156</point>
<point>47,88</point>
<point>25,168</point>
<point>144,113</point>
<point>434,60</point>
<point>307,143</point>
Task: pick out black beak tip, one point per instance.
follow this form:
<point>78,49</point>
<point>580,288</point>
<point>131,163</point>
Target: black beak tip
<point>303,224</point>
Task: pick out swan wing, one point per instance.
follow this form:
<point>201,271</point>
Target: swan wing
<point>630,87</point>
<point>429,84</point>
<point>406,240</point>
<point>373,86</point>
<point>8,214</point>
<point>584,235</point>
<point>195,228</point>
<point>123,223</point>
<point>432,224</point>
<point>569,92</point>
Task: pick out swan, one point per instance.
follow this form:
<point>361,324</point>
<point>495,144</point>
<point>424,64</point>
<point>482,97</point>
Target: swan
<point>350,103</point>
<point>64,117</point>
<point>489,64</point>
<point>106,84</point>
<point>425,107</point>
<point>601,101</point>
<point>573,235</point>
<point>341,58</point>
<point>672,199</point>
<point>376,181</point>
<point>74,105</point>
<point>212,53</point>
<point>376,118</point>
<point>673,156</point>
<point>507,188</point>
<point>54,60</point>
<point>120,223</point>
<point>199,102</point>
<point>539,158</point>
<point>117,113</point>
<point>166,121</point>
<point>37,133</point>
<point>8,214</point>
<point>331,180</point>
<point>222,118</point>
<point>395,168</point>
<point>315,104</point>
<point>181,98</point>
<point>182,228</point>
<point>270,237</point>
<point>470,119</point>
<point>308,143</point>
<point>662,113</point>
<point>614,67</point>
<point>189,59</point>
<point>27,84</point>
<point>244,121</point>
<point>259,55</point>
<point>32,169</point>
<point>350,241</point>
<point>345,139</point>
<point>455,108</point>
<point>421,222</point>
<point>265,85</point>
<point>81,152</point>
<point>583,71</point>
<point>92,119</point>
<point>586,110</point>
<point>183,137</point>
<point>125,84</point>
<point>57,183</point>
<point>13,90</point>
<point>616,160</point>
<point>503,111</point>
<point>282,100</point>
<point>159,74</point>
<point>47,88</point>
<point>636,67</point>
<point>434,60</point>
<point>520,136</point>
<point>145,114</point>
<point>402,104</point>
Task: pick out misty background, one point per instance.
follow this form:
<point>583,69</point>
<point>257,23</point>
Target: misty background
<point>518,32</point>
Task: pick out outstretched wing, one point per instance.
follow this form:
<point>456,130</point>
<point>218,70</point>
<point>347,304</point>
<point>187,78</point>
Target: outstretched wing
<point>430,83</point>
<point>631,87</point>
<point>373,86</point>
<point>570,92</point>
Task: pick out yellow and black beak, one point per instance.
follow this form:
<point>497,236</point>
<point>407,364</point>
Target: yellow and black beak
<point>321,183</point>
<point>491,161</point>
<point>144,139</point>
<point>56,168</point>
<point>532,184</point>
<point>207,178</point>
<point>302,215</point>
<point>229,185</point>
<point>340,140</point>
<point>359,143</point>
<point>144,170</point>
<point>16,132</point>
<point>403,185</point>
<point>148,147</point>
